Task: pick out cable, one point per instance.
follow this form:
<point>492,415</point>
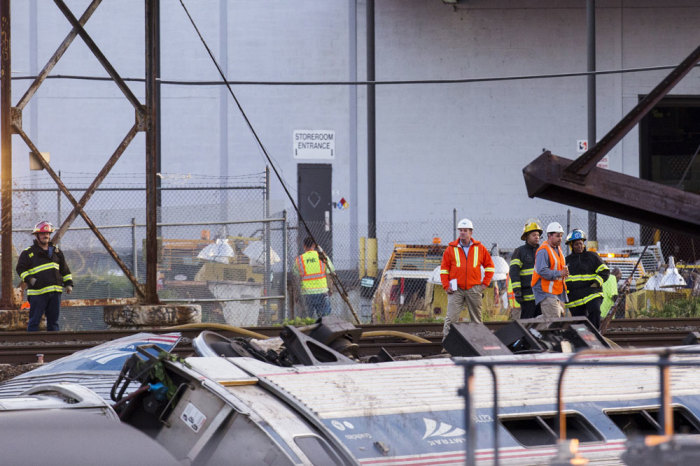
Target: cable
<point>396,82</point>
<point>336,280</point>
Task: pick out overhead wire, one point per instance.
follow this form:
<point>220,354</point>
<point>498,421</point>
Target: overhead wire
<point>337,282</point>
<point>392,82</point>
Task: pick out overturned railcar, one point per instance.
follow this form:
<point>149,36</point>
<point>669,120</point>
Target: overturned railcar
<point>241,410</point>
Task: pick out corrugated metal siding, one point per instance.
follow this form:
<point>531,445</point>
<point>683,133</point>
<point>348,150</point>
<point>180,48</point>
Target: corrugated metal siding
<point>99,381</point>
<point>432,385</point>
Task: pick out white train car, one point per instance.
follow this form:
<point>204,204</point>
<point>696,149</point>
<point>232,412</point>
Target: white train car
<point>239,410</point>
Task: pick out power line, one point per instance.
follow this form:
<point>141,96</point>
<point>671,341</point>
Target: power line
<point>397,82</point>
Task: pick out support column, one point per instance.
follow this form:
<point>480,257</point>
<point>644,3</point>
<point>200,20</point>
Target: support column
<point>6,154</point>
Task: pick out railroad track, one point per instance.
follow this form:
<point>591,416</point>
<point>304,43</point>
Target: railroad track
<point>22,347</point>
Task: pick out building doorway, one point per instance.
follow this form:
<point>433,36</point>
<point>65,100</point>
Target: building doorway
<point>669,138</point>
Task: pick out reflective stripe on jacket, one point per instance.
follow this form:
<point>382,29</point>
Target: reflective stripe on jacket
<point>522,265</point>
<point>312,272</point>
<point>511,295</point>
<point>51,273</point>
<point>467,270</point>
<point>587,274</point>
<point>556,262</point>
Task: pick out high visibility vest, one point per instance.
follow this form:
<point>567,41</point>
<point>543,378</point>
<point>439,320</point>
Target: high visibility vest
<point>556,262</point>
<point>312,272</point>
<point>511,295</point>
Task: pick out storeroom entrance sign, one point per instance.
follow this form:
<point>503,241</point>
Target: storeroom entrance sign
<point>314,144</point>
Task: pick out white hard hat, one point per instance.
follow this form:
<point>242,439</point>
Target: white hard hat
<point>554,227</point>
<point>501,267</point>
<point>465,223</point>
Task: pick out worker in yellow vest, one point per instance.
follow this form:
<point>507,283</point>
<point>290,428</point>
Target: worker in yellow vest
<point>311,271</point>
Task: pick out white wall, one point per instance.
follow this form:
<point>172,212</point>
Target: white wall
<point>439,146</point>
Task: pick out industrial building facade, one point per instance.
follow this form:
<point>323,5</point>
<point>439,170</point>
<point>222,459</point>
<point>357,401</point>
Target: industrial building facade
<point>440,145</point>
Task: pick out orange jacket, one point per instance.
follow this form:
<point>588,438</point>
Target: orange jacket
<point>467,270</point>
<point>556,262</point>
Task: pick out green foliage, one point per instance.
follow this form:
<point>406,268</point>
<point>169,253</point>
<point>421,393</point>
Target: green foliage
<point>299,321</point>
<point>410,318</point>
<point>678,308</point>
<point>102,286</point>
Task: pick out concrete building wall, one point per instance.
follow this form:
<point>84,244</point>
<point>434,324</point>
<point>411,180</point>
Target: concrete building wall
<point>439,146</point>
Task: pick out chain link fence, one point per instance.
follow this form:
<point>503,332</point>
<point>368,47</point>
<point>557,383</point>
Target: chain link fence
<point>225,249</point>
<point>406,287</point>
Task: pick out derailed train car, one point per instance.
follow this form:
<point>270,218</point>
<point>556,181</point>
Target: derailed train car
<point>241,410</point>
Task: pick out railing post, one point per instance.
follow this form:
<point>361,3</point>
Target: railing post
<point>665,411</point>
<point>469,424</point>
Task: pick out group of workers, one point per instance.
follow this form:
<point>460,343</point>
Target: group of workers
<point>542,281</point>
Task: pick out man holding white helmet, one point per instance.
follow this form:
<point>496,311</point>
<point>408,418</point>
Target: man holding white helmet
<point>43,268</point>
<point>550,273</point>
<point>461,275</point>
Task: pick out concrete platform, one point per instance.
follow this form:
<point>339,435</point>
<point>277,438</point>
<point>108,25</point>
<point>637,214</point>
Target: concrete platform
<point>152,315</point>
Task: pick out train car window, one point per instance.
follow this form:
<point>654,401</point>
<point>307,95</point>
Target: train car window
<point>541,430</point>
<point>683,421</point>
<point>576,427</point>
<point>317,450</point>
<point>646,421</point>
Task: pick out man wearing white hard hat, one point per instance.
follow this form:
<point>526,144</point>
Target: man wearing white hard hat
<point>462,277</point>
<point>548,279</point>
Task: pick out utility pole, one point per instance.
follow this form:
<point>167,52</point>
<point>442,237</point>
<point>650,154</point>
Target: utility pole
<point>590,21</point>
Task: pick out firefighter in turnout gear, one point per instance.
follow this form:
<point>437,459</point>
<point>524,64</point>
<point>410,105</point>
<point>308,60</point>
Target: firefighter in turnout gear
<point>461,275</point>
<point>522,265</point>
<point>43,268</point>
<point>311,271</point>
<point>587,273</point>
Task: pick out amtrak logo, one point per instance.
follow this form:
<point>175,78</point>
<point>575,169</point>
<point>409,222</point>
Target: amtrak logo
<point>433,430</point>
<point>341,426</point>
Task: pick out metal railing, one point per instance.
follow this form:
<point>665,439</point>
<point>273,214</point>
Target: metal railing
<point>664,364</point>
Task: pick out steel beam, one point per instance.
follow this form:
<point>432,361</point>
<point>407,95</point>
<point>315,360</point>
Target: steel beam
<point>6,153</point>
<point>152,14</point>
<point>615,194</point>
<point>57,55</point>
<point>86,218</point>
<point>99,302</point>
<point>99,55</point>
<point>96,182</point>
<point>582,166</point>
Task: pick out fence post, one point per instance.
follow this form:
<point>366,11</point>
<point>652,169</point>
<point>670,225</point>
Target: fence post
<point>454,225</point>
<point>134,256</point>
<point>58,202</point>
<point>283,314</point>
<point>266,279</point>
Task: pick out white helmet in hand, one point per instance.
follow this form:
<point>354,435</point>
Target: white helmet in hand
<point>465,223</point>
<point>554,227</point>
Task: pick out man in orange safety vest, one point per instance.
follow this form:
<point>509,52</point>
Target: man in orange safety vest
<point>462,276</point>
<point>548,279</point>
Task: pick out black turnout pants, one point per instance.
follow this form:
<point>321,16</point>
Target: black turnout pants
<point>591,310</point>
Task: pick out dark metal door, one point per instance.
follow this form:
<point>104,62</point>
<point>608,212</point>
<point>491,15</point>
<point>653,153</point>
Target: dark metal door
<point>314,201</point>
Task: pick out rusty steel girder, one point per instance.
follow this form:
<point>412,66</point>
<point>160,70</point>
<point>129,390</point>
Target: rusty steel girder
<point>615,194</point>
<point>99,302</point>
<point>145,120</point>
<point>580,183</point>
